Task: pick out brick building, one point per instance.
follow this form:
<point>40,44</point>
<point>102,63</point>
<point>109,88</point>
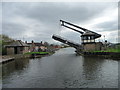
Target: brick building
<point>36,46</point>
<point>17,47</point>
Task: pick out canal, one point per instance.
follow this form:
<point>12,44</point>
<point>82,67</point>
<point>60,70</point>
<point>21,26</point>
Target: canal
<point>64,69</point>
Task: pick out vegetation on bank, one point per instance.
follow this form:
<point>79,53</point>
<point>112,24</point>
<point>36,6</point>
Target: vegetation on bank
<point>41,53</point>
<point>4,40</point>
<point>110,50</point>
<point>117,49</point>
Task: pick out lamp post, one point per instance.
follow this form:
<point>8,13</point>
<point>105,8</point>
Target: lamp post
<point>104,38</point>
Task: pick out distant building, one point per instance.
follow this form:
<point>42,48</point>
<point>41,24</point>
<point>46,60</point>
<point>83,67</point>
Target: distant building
<point>36,47</point>
<point>57,46</point>
<point>17,47</point>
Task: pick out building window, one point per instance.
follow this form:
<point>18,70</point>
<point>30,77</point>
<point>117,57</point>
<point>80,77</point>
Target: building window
<point>82,38</point>
<point>92,37</point>
<point>22,48</point>
<point>88,37</point>
<point>85,38</point>
<point>92,40</point>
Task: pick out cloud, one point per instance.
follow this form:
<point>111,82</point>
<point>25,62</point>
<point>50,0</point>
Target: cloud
<point>52,12</point>
<point>13,30</point>
<point>107,26</point>
<point>40,20</point>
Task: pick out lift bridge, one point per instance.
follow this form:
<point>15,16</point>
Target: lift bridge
<point>87,37</point>
<point>68,42</point>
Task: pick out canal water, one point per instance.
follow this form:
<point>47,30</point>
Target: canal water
<point>64,69</point>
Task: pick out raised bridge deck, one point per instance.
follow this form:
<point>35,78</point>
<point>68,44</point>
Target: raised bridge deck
<point>68,42</point>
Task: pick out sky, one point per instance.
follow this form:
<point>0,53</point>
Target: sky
<point>38,21</point>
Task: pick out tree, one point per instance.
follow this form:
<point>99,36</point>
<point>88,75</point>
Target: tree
<point>4,40</point>
<point>46,44</point>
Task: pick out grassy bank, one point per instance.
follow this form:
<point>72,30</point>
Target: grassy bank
<point>41,53</point>
<point>114,50</point>
<point>109,50</point>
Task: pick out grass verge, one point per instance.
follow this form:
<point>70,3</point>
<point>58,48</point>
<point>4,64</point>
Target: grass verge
<point>37,53</point>
<point>109,50</point>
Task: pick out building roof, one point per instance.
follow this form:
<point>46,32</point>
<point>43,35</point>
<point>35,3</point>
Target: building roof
<point>18,43</point>
<point>91,34</point>
<point>36,44</point>
<point>88,33</point>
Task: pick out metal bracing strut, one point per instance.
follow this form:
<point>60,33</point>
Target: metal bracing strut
<point>85,30</point>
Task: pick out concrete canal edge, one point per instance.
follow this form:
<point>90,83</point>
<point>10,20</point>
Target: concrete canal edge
<point>110,55</point>
<point>7,58</point>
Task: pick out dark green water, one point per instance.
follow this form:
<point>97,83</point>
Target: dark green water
<point>61,70</point>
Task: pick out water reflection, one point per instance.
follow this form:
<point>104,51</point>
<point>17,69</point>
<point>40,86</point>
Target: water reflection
<point>92,67</point>
<point>14,66</point>
<point>62,70</point>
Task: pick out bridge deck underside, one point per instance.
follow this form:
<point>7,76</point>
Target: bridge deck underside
<point>65,41</point>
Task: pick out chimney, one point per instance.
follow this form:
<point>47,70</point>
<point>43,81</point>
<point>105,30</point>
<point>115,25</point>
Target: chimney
<point>32,41</point>
<point>26,42</point>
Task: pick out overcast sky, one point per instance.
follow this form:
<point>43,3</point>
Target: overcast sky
<point>40,20</point>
